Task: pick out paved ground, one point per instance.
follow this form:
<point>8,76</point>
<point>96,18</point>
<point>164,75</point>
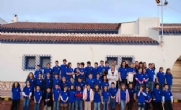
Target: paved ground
<point>177,95</point>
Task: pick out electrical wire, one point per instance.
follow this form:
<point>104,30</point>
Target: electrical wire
<point>174,9</point>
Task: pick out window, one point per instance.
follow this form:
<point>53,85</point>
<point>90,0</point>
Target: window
<point>129,59</point>
<point>44,60</point>
<point>30,62</point>
<point>112,59</point>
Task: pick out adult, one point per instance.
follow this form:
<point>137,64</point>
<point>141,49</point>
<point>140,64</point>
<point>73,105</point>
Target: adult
<point>112,75</point>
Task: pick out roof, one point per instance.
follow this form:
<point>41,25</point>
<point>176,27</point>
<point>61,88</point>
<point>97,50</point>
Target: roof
<point>61,27</point>
<point>2,21</point>
<point>170,29</point>
<point>127,40</point>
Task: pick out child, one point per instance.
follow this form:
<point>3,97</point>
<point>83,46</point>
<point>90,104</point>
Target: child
<point>71,82</point>
<point>37,71</point>
<point>141,99</point>
<point>105,82</point>
<point>63,83</point>
<point>27,92</point>
<point>16,94</point>
<point>169,78</point>
<point>69,71</point>
<point>98,80</point>
<point>107,67</point>
<point>113,92</point>
<point>167,98</point>
<point>95,70</point>
<point>101,69</point>
<point>132,96</point>
<point>48,83</point>
<point>88,97</point>
<point>145,78</point>
<point>97,98</point>
<point>48,99</point>
<point>88,69</point>
<point>139,79</point>
<point>48,70</point>
<point>82,71</point>
<point>37,98</point>
<point>77,71</point>
<point>56,97</point>
<point>122,96</point>
<point>90,81</point>
<point>156,94</point>
<point>32,80</point>
<point>123,73</point>
<point>64,98</point>
<point>56,68</point>
<point>80,83</point>
<point>105,98</point>
<point>78,98</point>
<point>39,82</point>
<point>161,78</point>
<point>148,99</point>
<point>71,95</point>
<point>63,68</point>
<point>56,80</point>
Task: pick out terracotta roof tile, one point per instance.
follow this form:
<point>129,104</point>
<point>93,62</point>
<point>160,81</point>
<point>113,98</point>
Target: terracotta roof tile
<point>79,39</point>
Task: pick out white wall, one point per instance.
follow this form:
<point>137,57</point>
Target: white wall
<point>128,28</point>
<point>154,34</point>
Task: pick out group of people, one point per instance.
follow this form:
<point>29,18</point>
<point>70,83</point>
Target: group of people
<point>63,87</point>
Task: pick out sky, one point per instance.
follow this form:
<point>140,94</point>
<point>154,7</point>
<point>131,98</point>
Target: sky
<point>89,11</point>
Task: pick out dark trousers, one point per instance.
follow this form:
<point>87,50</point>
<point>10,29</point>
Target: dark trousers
<point>168,105</point>
<point>157,106</point>
<point>147,106</point>
<point>15,104</point>
<point>130,104</point>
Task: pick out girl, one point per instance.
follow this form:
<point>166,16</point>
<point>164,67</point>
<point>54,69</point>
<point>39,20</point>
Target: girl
<point>56,97</point>
<point>48,70</point>
<point>64,98</point>
<point>69,71</point>
<point>139,79</point>
<point>132,95</point>
<point>71,95</point>
<point>161,78</point>
<point>37,98</point>
<point>148,99</point>
<point>56,80</point>
<point>48,83</point>
<point>98,80</point>
<point>122,96</point>
<point>78,98</point>
<point>169,78</point>
<point>31,79</point>
<point>88,97</point>
<point>48,99</point>
<point>113,92</point>
<point>16,94</point>
<point>104,82</point>
<point>105,98</point>
<point>144,65</point>
<point>145,78</point>
<point>141,99</point>
<point>167,98</point>
<point>71,82</point>
<point>156,94</point>
<point>112,75</point>
<point>63,83</point>
<point>97,97</point>
<point>27,92</point>
<point>122,73</point>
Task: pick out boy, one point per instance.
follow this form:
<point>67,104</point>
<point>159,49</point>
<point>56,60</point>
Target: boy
<point>107,67</point>
<point>156,94</point>
<point>76,71</point>
<point>113,92</point>
<point>167,98</point>
<point>56,80</point>
<point>56,68</point>
<point>48,83</point>
<point>63,68</point>
<point>132,95</point>
<point>98,80</point>
<point>139,79</point>
<point>151,74</point>
<point>82,71</point>
<point>48,99</point>
<point>39,82</point>
<point>90,81</point>
<point>88,69</point>
<point>95,70</point>
<point>78,98</point>
<point>48,70</point>
<point>148,99</point>
<point>141,99</point>
<point>101,68</point>
<point>37,98</point>
<point>80,83</point>
<point>37,71</point>
<point>56,97</point>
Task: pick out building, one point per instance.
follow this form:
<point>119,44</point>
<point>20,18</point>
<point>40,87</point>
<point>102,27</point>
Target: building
<point>2,21</point>
<point>26,44</point>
